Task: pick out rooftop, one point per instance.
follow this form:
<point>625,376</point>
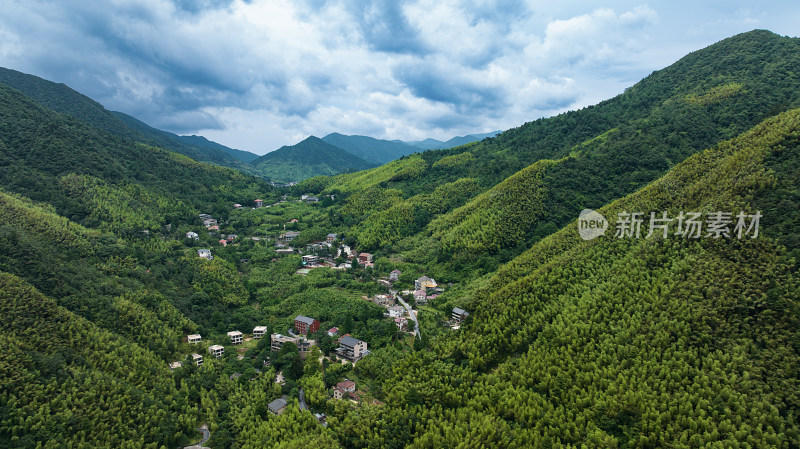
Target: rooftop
<point>349,341</point>
<point>305,319</point>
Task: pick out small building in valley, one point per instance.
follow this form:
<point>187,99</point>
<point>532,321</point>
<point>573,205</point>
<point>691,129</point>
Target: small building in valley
<point>259,331</point>
<point>306,325</point>
<point>235,336</point>
<point>277,406</point>
<point>216,350</point>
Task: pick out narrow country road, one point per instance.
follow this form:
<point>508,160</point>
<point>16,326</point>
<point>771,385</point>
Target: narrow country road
<point>413,317</point>
<point>302,401</point>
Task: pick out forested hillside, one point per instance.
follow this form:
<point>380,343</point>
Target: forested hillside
<point>113,252</point>
<point>311,157</point>
<point>62,99</point>
<point>627,342</point>
<point>602,152</point>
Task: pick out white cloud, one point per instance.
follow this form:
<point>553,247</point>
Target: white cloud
<point>270,72</point>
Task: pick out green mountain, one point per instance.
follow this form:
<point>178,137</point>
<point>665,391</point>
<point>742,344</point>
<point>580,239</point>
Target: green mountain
<point>62,99</point>
<point>60,160</point>
<point>197,147</point>
<point>309,158</point>
<point>604,343</point>
<point>622,341</point>
<point>433,144</point>
<point>581,159</point>
<point>372,150</point>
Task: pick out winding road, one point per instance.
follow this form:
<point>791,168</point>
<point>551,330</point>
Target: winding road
<point>411,314</point>
<point>302,401</point>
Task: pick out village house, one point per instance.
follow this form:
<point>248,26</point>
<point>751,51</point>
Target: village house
<point>310,259</point>
<point>364,258</point>
<point>401,323</point>
<point>459,315</point>
<point>259,203</point>
<point>223,242</point>
<point>383,300</point>
<point>396,311</point>
<point>421,297</point>
<point>259,331</point>
<point>208,222</point>
<point>205,254</point>
<point>175,365</point>
<point>394,276</point>
<point>303,345</point>
<point>347,388</point>
<point>288,236</point>
<point>235,336</point>
<point>197,359</point>
<point>194,338</point>
<point>424,283</point>
<point>216,350</point>
<point>306,325</point>
<point>204,216</point>
<point>333,331</point>
<point>330,238</point>
<point>352,349</point>
<point>192,235</point>
<point>277,406</point>
<point>279,340</point>
<point>213,228</point>
<point>311,199</point>
<point>237,206</point>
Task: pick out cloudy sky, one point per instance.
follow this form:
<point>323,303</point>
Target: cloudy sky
<point>256,74</point>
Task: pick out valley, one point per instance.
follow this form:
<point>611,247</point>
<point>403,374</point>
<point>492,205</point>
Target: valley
<point>394,296</point>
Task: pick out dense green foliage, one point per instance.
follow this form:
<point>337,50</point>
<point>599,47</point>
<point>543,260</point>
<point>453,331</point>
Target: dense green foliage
<point>612,342</point>
<point>61,98</point>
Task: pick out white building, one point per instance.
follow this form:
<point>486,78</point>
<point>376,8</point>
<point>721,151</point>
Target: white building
<point>352,349</point>
<point>205,254</point>
<point>198,359</point>
<point>396,311</point>
<point>259,331</point>
<point>194,338</point>
<point>192,235</point>
<point>216,350</point>
<point>235,336</point>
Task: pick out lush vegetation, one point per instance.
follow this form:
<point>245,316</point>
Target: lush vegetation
<point>613,342</point>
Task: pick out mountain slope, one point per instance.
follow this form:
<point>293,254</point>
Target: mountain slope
<point>604,343</point>
<point>41,152</point>
<point>603,152</point>
<point>196,147</point>
<point>372,150</point>
<point>62,99</point>
<point>309,158</point>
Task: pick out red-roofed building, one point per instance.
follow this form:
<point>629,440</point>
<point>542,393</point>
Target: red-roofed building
<point>306,325</point>
<point>364,258</point>
<point>223,242</point>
